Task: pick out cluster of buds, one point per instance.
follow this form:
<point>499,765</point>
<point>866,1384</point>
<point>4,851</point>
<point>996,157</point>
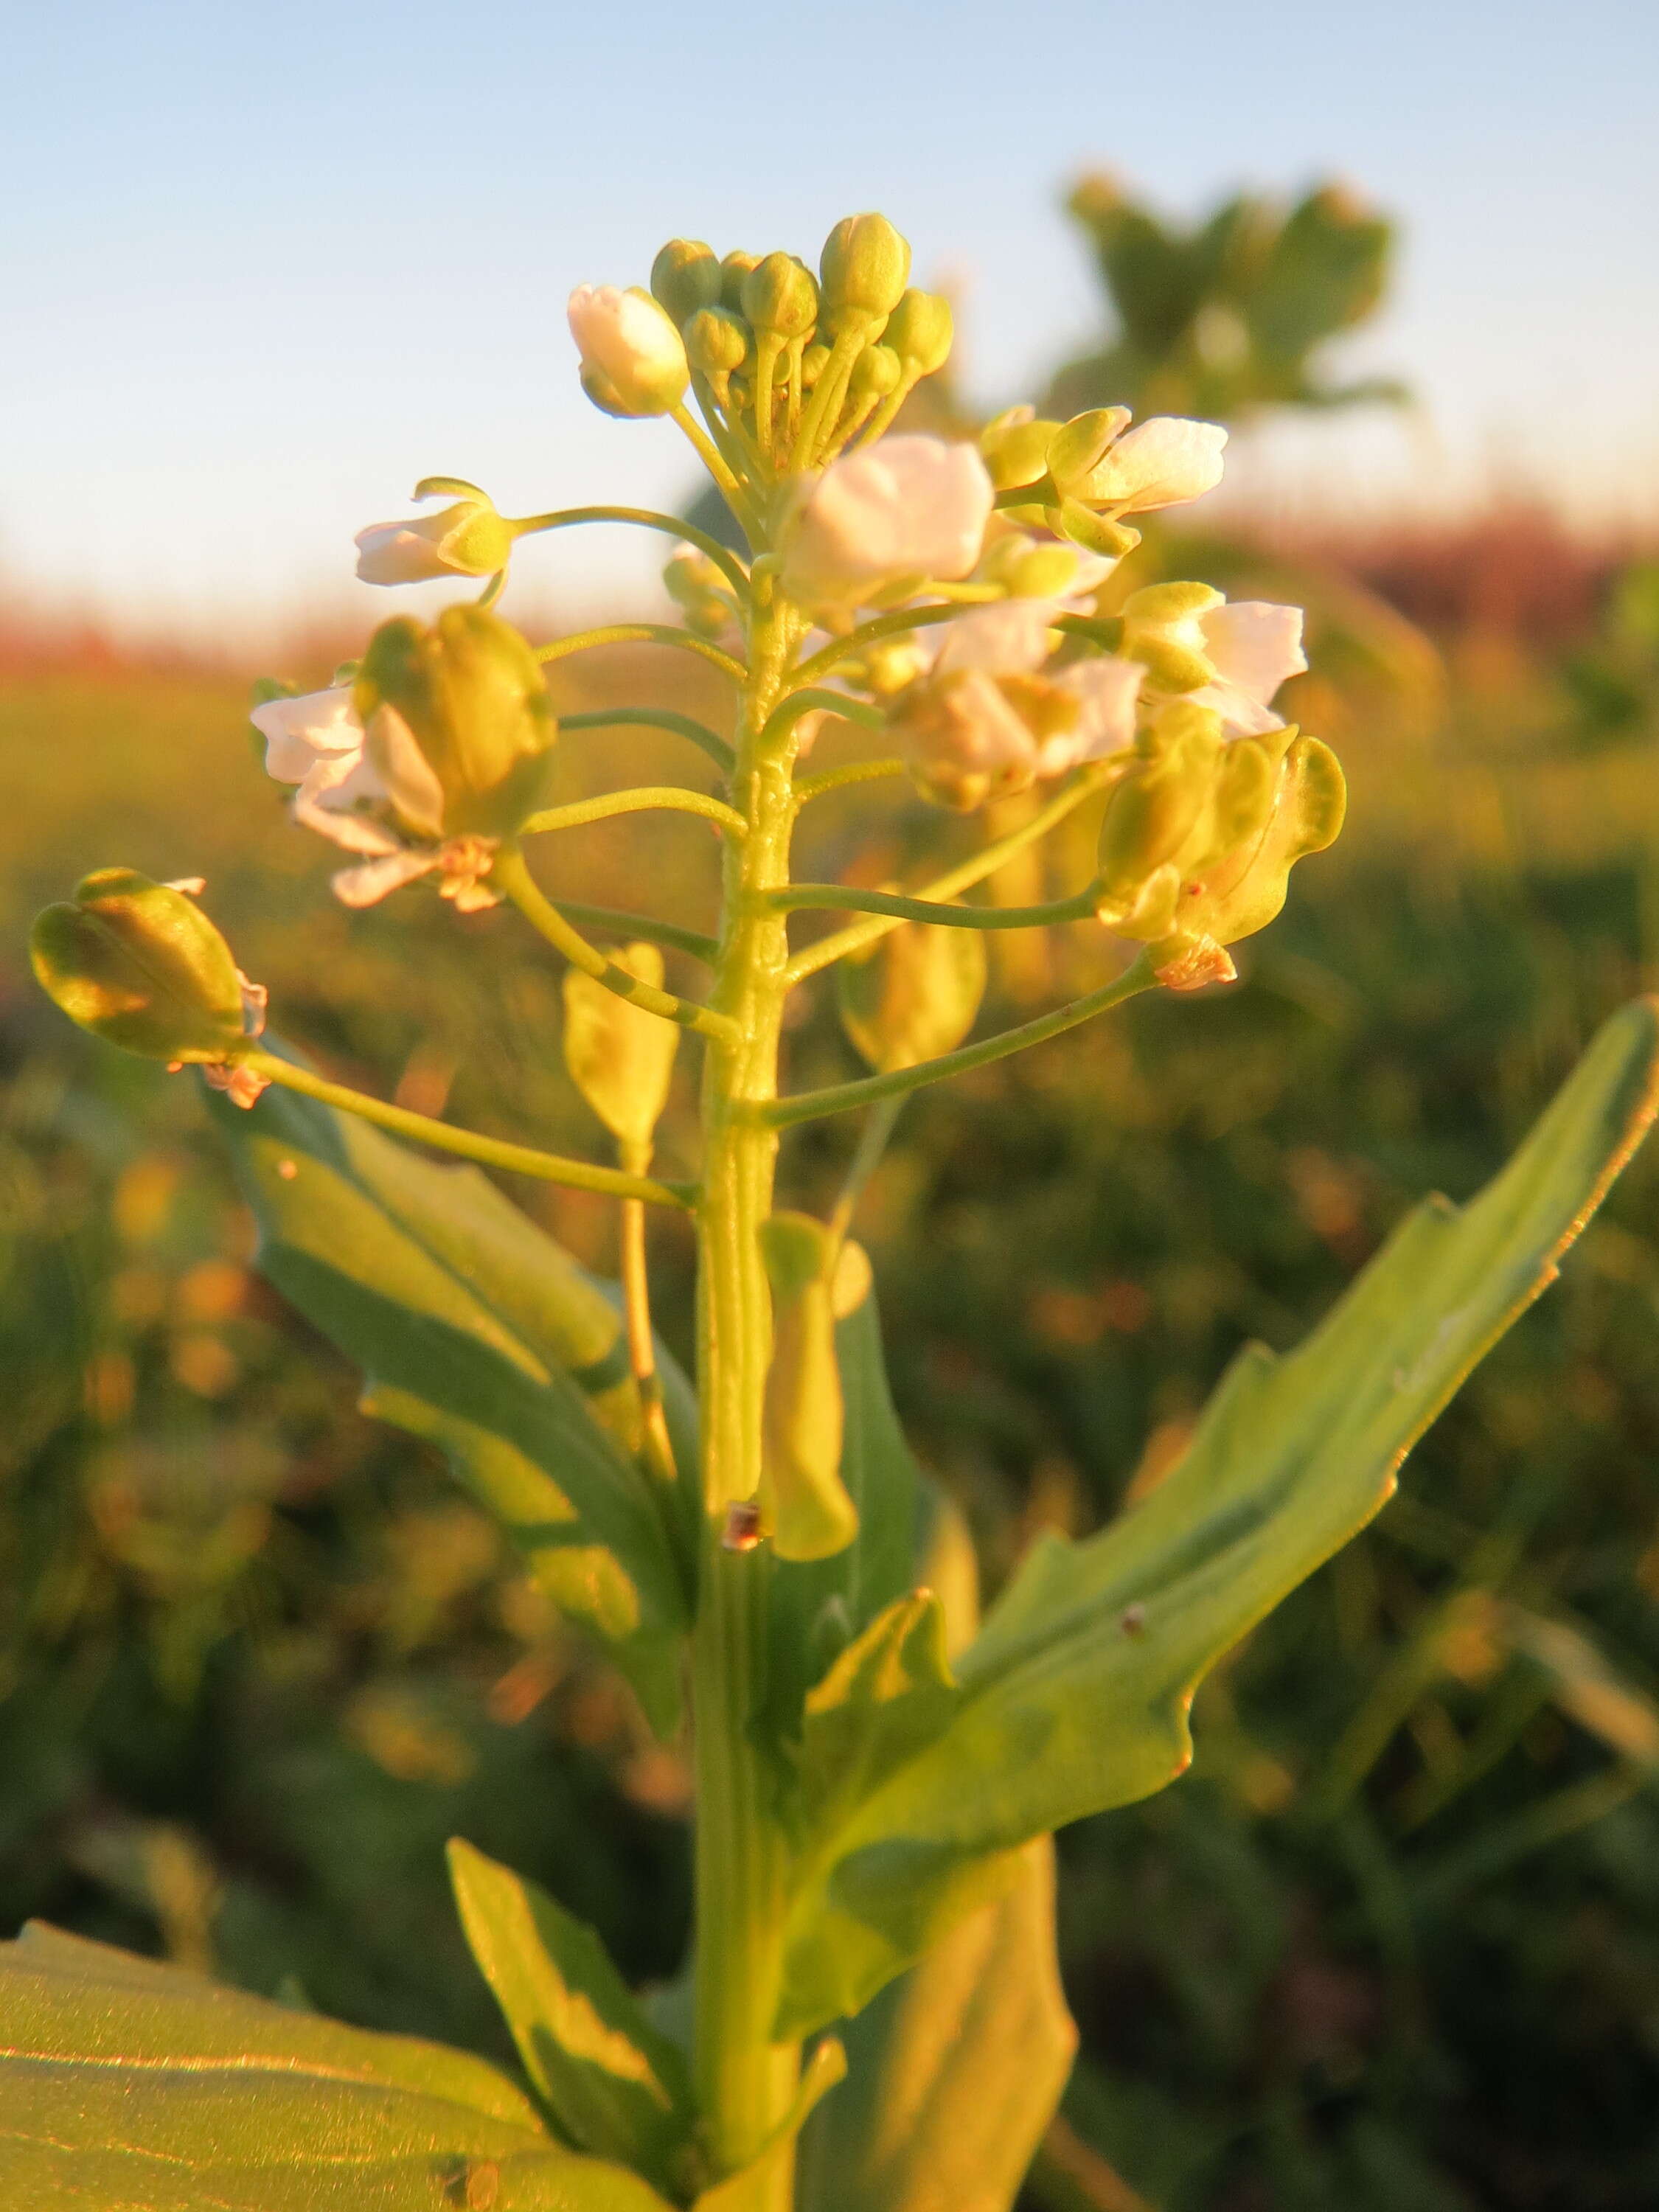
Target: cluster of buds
<point>788,367</point>
<point>423,758</point>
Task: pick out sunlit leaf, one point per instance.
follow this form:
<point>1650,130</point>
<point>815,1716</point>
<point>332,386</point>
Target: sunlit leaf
<point>128,2086</point>
<point>1075,1697</point>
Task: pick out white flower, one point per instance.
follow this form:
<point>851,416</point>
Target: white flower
<point>632,357</point>
<point>466,539</point>
<point>1164,462</point>
<point>372,792</point>
<point>904,510</point>
<point>1253,647</point>
<point>964,740</point>
<point>1107,691</point>
<point>1009,637</point>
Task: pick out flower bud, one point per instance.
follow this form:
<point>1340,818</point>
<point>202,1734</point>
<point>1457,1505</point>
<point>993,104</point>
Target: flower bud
<point>1164,462</point>
<point>1028,568</point>
<point>813,362</point>
<point>921,331</point>
<point>865,267</point>
<point>467,539</point>
<point>1015,447</point>
<point>139,964</point>
<point>633,361</point>
<point>620,1057</point>
<point>913,994</point>
<point>717,344</point>
<point>459,723</point>
<point>876,373</point>
<point>684,277</point>
<point>734,270</point>
<point>802,1496</point>
<point>780,294</point>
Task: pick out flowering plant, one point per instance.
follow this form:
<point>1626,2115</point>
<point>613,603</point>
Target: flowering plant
<point>871,2017</point>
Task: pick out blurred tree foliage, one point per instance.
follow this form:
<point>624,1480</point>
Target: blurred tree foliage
<point>1231,315</point>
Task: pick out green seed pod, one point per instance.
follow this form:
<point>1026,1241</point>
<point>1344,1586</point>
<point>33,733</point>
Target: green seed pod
<point>780,294</point>
<point>1244,891</point>
<point>913,994</point>
<point>1161,800</point>
<point>734,270</point>
<point>921,330</point>
<point>717,343</point>
<point>1015,448</point>
<point>620,1057</point>
<point>470,692</point>
<point>139,964</point>
<point>1078,447</point>
<point>684,277</point>
<point>865,267</point>
<point>802,1497</point>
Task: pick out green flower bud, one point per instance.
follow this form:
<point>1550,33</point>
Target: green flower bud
<point>921,331</point>
<point>139,964</point>
<point>804,1502</point>
<point>468,692</point>
<point>717,343</point>
<point>865,267</point>
<point>620,1057</point>
<point>684,277</point>
<point>876,373</point>
<point>813,362</point>
<point>913,994</point>
<point>734,270</point>
<point>780,294</point>
<point>1027,568</point>
<point>1015,448</point>
<point>1080,445</point>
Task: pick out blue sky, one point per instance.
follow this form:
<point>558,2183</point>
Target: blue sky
<point>268,264</point>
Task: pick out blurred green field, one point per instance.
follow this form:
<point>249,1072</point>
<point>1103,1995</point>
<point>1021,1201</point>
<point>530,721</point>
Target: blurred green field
<point>1395,1940</point>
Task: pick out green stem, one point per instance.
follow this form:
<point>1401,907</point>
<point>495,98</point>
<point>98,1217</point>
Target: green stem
<point>715,461</point>
<point>838,1098</point>
<point>616,922</point>
<point>838,898</point>
<point>641,633</point>
<point>490,1151</point>
<point>669,797</point>
<point>867,1158</point>
<point>655,718</point>
<point>646,518</point>
<point>511,876</point>
<point>813,701</point>
<point>744,2080</point>
<point>837,779</point>
<point>963,876</point>
<point>871,633</point>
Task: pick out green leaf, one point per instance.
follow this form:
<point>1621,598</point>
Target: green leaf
<point>821,1605</point>
<point>955,2071</point>
<point>130,2086</point>
<point>885,1697</point>
<point>476,1332</point>
<point>613,2085</point>
<point>1075,1697</point>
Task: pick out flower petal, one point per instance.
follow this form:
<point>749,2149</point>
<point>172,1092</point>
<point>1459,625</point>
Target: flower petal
<point>1108,691</point>
<point>1255,645</point>
<point>369,884</point>
<point>298,732</point>
<point>909,507</point>
<point>1009,637</point>
<point>400,553</point>
<point>1164,462</point>
<point>406,776</point>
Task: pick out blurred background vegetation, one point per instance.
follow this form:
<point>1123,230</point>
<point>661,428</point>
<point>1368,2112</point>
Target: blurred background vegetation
<point>1395,1940</point>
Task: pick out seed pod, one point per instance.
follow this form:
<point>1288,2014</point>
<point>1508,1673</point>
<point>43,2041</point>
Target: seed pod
<point>139,964</point>
<point>1243,891</point>
<point>684,277</point>
<point>865,267</point>
<point>620,1057</point>
<point>469,693</point>
<point>913,994</point>
<point>802,1496</point>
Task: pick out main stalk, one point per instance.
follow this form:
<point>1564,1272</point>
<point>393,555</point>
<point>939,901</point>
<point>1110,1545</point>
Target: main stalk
<point>744,2080</point>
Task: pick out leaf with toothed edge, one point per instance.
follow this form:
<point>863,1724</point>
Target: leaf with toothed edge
<point>1075,1696</point>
